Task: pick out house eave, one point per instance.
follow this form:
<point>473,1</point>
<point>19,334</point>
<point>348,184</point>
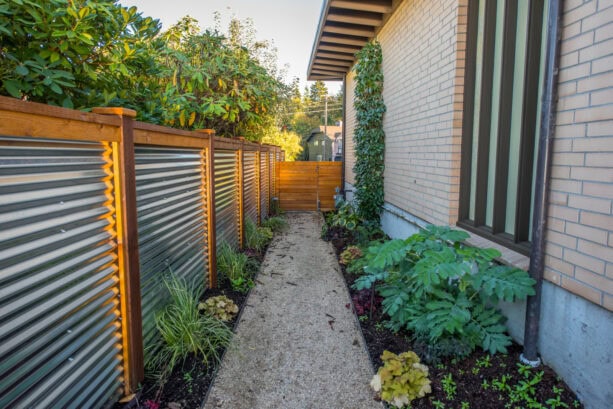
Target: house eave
<point>345,26</point>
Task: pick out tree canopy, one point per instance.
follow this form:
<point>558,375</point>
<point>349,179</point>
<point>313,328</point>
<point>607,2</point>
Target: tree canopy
<point>303,112</point>
<point>85,53</point>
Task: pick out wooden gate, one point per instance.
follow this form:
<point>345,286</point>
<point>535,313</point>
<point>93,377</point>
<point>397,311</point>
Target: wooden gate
<point>308,185</point>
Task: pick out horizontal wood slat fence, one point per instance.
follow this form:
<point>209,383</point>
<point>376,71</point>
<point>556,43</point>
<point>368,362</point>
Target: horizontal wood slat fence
<point>95,209</point>
<point>308,185</point>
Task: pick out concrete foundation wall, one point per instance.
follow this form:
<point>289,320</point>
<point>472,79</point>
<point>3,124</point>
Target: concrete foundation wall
<point>576,338</point>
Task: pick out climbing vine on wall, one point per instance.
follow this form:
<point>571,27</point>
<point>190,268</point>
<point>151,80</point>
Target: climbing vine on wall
<point>369,136</point>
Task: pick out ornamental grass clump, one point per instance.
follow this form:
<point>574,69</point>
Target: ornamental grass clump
<point>275,223</point>
<point>220,307</point>
<point>401,379</point>
<point>256,238</point>
<point>184,330</point>
<point>234,267</point>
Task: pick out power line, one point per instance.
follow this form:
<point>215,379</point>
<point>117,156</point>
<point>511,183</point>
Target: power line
<point>314,111</point>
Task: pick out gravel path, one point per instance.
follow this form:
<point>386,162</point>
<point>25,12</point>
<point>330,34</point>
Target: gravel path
<point>297,346</point>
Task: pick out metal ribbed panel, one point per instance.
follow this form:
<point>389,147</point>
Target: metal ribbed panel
<point>274,175</point>
<point>226,197</point>
<point>264,185</point>
<point>60,332</point>
<point>171,225</point>
<point>250,205</point>
<point>273,191</point>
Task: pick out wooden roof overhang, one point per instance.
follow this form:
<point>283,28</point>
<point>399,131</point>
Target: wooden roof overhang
<point>344,27</point>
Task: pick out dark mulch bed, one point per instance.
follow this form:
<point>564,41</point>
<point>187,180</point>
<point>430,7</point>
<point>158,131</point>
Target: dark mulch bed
<point>474,376</point>
<point>189,383</point>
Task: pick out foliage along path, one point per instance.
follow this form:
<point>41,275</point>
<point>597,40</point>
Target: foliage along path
<point>297,345</point>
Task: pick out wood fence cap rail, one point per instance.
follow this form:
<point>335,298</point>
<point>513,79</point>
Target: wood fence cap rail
<point>130,113</point>
<point>36,108</point>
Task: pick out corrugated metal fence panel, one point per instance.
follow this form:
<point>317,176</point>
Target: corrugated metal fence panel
<point>60,332</point>
<point>171,226</point>
<point>264,184</point>
<point>226,197</point>
<point>250,205</point>
<point>276,174</point>
<point>271,158</point>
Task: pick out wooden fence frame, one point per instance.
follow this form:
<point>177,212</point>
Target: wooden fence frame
<point>118,127</point>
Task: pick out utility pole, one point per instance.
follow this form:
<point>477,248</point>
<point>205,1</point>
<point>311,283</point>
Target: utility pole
<point>325,127</point>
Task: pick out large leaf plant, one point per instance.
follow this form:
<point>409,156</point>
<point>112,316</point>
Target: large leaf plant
<point>444,291</point>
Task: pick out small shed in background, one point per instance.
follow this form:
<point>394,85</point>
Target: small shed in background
<point>325,147</point>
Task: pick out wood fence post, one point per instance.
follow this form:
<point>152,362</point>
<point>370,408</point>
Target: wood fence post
<point>124,171</point>
<point>258,189</point>
<point>210,221</point>
<point>276,176</point>
<point>241,194</point>
<point>265,177</point>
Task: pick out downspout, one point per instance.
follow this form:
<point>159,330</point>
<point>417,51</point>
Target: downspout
<point>543,170</point>
<point>344,136</point>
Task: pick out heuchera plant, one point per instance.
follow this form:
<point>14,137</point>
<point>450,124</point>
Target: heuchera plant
<point>364,301</point>
<point>220,307</point>
<point>401,379</point>
<point>349,254</point>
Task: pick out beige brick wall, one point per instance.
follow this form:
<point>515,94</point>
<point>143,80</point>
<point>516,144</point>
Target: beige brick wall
<point>579,252</point>
<point>422,125</point>
<point>423,49</point>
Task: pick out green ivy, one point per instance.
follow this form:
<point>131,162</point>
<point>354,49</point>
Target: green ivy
<point>369,136</point>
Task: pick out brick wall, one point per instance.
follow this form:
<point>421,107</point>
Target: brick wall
<point>579,252</point>
<point>423,68</point>
<point>423,50</point>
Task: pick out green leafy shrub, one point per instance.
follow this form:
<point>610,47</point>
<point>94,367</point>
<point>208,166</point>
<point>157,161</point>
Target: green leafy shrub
<point>401,379</point>
<point>350,254</point>
<point>442,290</point>
<point>345,217</point>
<point>220,307</point>
<point>368,231</point>
<point>184,330</point>
<point>233,266</point>
<point>83,53</point>
<point>275,223</point>
<point>352,226</point>
<point>256,238</point>
<point>357,266</point>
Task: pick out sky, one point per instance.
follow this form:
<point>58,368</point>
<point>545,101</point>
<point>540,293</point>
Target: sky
<point>290,24</point>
